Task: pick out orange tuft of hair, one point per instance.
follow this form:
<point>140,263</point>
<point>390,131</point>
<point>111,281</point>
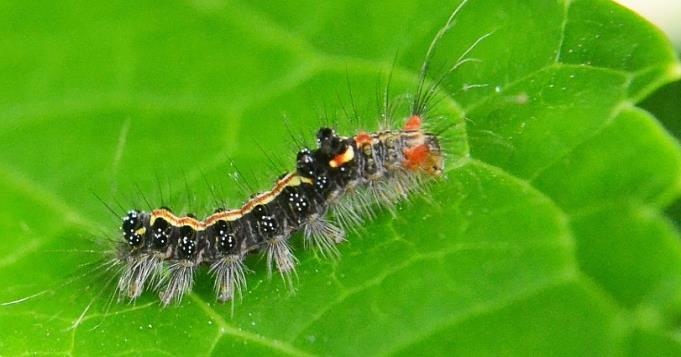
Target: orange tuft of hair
<point>416,156</point>
<point>362,138</point>
<point>413,123</point>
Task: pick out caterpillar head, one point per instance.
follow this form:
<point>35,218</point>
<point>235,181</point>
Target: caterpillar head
<point>434,162</point>
<point>422,151</point>
<point>133,229</point>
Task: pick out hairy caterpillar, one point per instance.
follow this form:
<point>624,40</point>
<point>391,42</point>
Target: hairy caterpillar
<point>333,188</point>
<point>345,174</point>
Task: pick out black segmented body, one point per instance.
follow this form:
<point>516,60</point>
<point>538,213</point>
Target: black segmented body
<point>372,166</point>
<point>333,188</point>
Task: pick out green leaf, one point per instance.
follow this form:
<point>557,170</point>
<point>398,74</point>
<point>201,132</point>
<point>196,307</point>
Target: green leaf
<point>665,104</point>
<point>547,234</point>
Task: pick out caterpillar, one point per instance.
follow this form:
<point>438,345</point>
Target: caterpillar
<point>333,189</point>
<point>348,176</point>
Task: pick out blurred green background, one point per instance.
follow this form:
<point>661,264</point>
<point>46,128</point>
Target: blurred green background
<point>551,233</point>
<point>663,13</point>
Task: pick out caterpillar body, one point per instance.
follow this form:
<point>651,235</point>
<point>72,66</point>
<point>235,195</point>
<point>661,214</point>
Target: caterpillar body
<point>332,188</point>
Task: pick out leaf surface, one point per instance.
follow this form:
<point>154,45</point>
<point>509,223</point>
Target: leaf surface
<point>546,236</point>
